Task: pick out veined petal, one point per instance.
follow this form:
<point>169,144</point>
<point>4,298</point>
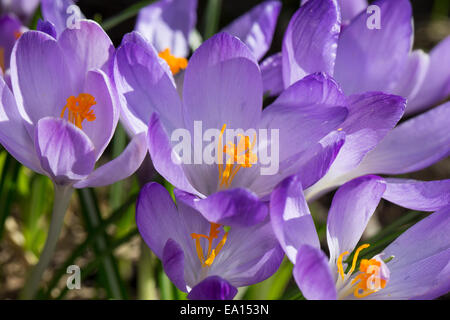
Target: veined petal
<point>413,145</point>
<point>66,153</point>
<point>162,155</point>
<point>47,27</point>
<point>40,77</point>
<point>62,13</point>
<point>418,195</point>
<point>312,274</point>
<point>370,59</point>
<point>222,85</point>
<point>290,217</point>
<point>272,74</point>
<point>167,24</point>
<point>310,41</point>
<point>121,167</point>
<point>436,85</point>
<point>85,48</point>
<point>232,207</point>
<point>144,86</point>
<point>213,288</point>
<point>101,130</point>
<point>420,267</point>
<point>250,255</point>
<point>349,8</point>
<point>413,76</point>
<point>256,27</point>
<point>173,263</point>
<point>13,135</point>
<point>350,211</point>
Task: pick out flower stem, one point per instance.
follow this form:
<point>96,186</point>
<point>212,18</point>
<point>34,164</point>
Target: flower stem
<point>60,204</point>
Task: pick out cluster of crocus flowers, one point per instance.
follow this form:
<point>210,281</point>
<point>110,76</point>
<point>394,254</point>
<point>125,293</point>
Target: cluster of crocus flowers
<point>60,106</point>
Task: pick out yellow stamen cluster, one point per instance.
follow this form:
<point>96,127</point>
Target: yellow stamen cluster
<point>241,155</point>
<point>176,64</point>
<point>212,253</point>
<point>368,280</point>
<point>79,109</point>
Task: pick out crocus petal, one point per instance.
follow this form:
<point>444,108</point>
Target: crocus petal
<point>256,27</point>
<point>399,153</point>
<point>62,13</point>
<point>10,27</point>
<point>418,195</point>
<point>222,85</point>
<point>101,130</point>
<point>173,263</point>
<point>290,217</point>
<point>370,59</point>
<point>351,8</point>
<point>213,288</point>
<point>13,135</point>
<point>121,167</point>
<point>310,41</point>
<point>145,86</point>
<point>85,48</point>
<point>303,123</point>
<point>250,255</point>
<point>47,27</point>
<point>167,24</point>
<point>436,85</point>
<point>40,77</point>
<point>413,76</point>
<point>232,207</point>
<point>371,116</point>
<point>420,266</point>
<point>158,220</point>
<point>164,159</point>
<point>312,274</point>
<point>350,211</point>
<point>272,75</point>
<point>66,153</point>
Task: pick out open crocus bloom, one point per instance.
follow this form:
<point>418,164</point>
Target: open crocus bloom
<point>10,30</point>
<point>414,266</point>
<point>364,59</point>
<point>63,112</point>
<point>222,90</point>
<point>200,257</point>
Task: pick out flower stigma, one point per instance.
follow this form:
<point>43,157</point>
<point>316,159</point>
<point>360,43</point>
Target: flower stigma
<point>176,64</point>
<point>212,253</point>
<point>241,154</point>
<point>79,109</point>
<point>366,282</point>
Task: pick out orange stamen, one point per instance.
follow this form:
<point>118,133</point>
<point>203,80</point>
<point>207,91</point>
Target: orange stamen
<point>241,154</point>
<point>79,109</point>
<point>175,63</point>
<point>212,253</point>
<point>2,59</point>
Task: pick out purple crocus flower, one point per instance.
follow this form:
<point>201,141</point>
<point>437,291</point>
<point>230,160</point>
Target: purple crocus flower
<point>414,266</point>
<point>62,115</point>
<point>10,30</point>
<point>200,257</point>
<point>167,25</point>
<point>222,85</point>
<point>364,59</point>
